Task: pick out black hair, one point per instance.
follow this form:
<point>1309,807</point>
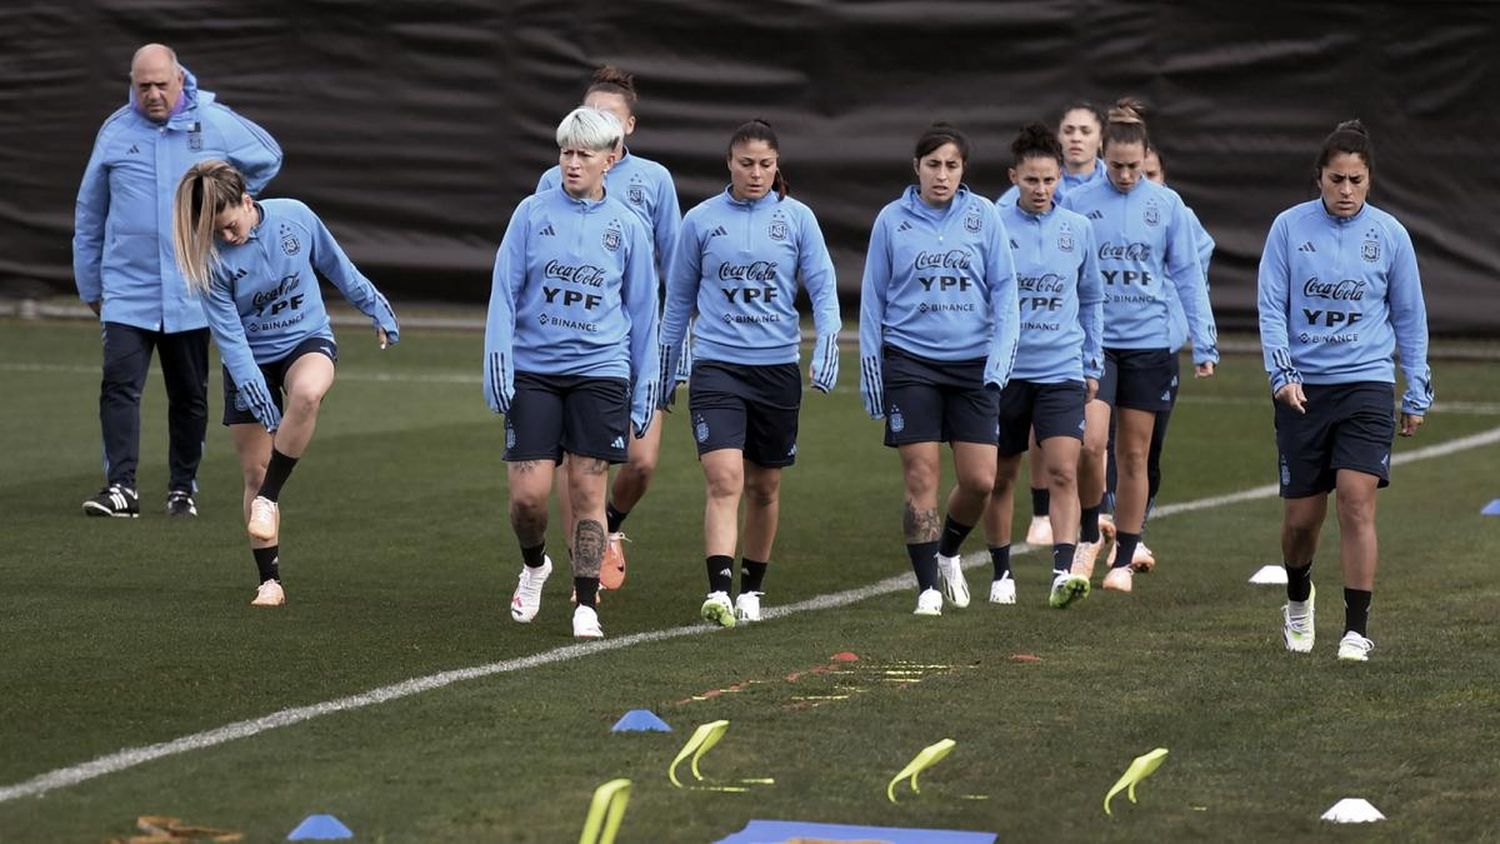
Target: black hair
<point>1036,141</point>
<point>612,80</point>
<point>942,133</point>
<point>1126,123</point>
<point>1351,137</point>
<point>760,130</point>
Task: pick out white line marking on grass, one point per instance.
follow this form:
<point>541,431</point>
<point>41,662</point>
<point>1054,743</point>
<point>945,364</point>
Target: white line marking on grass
<point>133,756</point>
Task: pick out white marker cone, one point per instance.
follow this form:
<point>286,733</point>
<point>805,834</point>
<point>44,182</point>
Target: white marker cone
<point>1269,576</point>
<point>1353,810</point>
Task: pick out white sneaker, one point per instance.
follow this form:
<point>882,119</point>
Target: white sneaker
<point>527,599</point>
<point>269,594</point>
<point>1355,648</point>
<point>1003,591</point>
<point>716,609</point>
<point>1119,579</point>
<point>747,606</point>
<point>929,602</point>
<point>265,519</point>
<point>1297,624</point>
<point>1067,588</point>
<point>1142,560</point>
<point>955,586</point>
<point>586,623</point>
<point>1039,534</point>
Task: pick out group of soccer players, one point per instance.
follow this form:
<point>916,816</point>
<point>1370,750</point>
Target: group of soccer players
<point>1051,318</point>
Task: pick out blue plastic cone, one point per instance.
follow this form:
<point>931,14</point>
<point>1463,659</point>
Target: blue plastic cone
<point>640,721</point>
<point>1491,509</point>
<point>320,828</point>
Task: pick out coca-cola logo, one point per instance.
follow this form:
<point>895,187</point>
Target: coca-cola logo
<point>581,274</point>
<point>754,271</point>
<point>1049,283</point>
<point>266,297</point>
<point>1344,290</point>
<point>953,259</point>
<point>1124,251</point>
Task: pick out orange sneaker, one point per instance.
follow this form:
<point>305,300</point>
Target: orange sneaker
<point>1084,556</point>
<point>612,568</point>
<point>1119,579</point>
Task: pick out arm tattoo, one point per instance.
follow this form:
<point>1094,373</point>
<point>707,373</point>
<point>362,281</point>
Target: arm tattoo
<point>588,548</point>
<point>921,525</point>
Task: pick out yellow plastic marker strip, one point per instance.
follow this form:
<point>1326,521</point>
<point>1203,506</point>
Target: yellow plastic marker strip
<point>759,781</point>
<point>1140,768</point>
<point>930,755</point>
<point>606,811</point>
<point>703,738</point>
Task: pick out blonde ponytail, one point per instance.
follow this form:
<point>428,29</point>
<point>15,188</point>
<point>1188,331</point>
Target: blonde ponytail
<point>206,189</point>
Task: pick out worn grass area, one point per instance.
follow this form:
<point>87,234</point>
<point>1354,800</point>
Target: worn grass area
<point>398,563</point>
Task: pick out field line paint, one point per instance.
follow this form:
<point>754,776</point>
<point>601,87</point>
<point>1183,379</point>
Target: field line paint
<point>131,757</point>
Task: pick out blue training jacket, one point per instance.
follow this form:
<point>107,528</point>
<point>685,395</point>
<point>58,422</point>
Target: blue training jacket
<point>1337,296</point>
<point>1066,183</point>
<point>1179,327</point>
<point>264,297</point>
<point>736,266</point>
<point>573,293</point>
<point>1145,242</point>
<point>939,283</point>
<point>122,224</point>
<point>1061,296</point>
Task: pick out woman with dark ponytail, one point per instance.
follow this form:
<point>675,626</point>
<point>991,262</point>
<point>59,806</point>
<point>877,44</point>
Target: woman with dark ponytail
<point>937,337</point>
<point>736,267</point>
<point>1058,362</point>
<point>1145,242</point>
<point>1339,294</point>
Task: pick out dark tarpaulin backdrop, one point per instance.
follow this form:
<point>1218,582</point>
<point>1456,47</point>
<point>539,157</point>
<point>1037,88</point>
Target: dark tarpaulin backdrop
<point>413,128</point>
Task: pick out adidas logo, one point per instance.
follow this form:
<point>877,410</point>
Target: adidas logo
<point>718,231</point>
<point>1166,395</point>
<point>1307,247</point>
<point>548,231</point>
<point>1096,214</point>
<point>726,573</point>
<point>1014,245</point>
<point>618,443</point>
<point>905,226</point>
<point>134,150</point>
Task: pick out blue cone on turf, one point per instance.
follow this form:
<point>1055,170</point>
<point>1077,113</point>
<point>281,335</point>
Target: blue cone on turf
<point>1491,509</point>
<point>640,721</point>
<point>320,828</point>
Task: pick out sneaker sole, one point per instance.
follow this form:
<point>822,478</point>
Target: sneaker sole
<point>97,511</point>
<point>717,614</point>
<point>1353,657</point>
<point>1070,593</point>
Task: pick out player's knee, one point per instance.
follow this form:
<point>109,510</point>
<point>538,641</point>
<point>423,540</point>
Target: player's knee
<point>1062,478</point>
<point>303,401</point>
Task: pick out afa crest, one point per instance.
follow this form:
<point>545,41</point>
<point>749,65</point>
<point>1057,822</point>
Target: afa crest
<point>636,194</point>
<point>1153,215</point>
<point>1371,251</point>
<point>897,421</point>
<point>973,223</point>
<point>700,429</point>
<point>290,244</point>
<point>612,240</point>
<point>1065,242</point>
<point>777,230</point>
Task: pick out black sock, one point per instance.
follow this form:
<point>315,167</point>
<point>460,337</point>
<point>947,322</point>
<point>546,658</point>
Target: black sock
<point>1298,581</point>
<point>588,591</point>
<point>752,575</point>
<point>1041,501</point>
<point>1000,557</point>
<point>1062,557</point>
<point>1088,524</point>
<point>279,469</point>
<point>720,573</point>
<point>924,563</point>
<point>1356,609</point>
<point>953,537</point>
<point>613,518</point>
<point>534,557</point>
<point>266,560</point>
<point>1125,548</point>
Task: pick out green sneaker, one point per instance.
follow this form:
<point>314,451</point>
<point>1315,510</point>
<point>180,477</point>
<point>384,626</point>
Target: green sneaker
<point>716,609</point>
<point>1068,588</point>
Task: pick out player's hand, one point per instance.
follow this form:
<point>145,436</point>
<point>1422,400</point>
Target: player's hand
<point>1410,422</point>
<point>1204,370</point>
<point>1292,396</point>
<point>1090,389</point>
<point>94,306</point>
<point>384,340</point>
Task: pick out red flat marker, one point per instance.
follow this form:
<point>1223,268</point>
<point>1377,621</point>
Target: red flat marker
<point>845,656</point>
<point>1025,658</point>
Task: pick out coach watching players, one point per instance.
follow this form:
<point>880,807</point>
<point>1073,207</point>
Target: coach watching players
<point>123,265</point>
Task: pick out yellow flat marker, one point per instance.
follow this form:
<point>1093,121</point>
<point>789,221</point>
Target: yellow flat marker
<point>930,755</point>
<point>1140,768</point>
<point>606,811</point>
<point>702,740</point>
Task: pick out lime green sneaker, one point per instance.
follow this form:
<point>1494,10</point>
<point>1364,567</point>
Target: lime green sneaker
<point>1068,588</point>
<point>716,609</point>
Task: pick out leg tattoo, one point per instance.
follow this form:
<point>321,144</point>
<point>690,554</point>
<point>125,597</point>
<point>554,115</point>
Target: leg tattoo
<point>921,525</point>
<point>588,548</point>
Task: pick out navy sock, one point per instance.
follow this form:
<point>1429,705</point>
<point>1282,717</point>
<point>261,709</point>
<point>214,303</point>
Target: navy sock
<point>924,563</point>
<point>1125,548</point>
<point>1000,556</point>
<point>1062,557</point>
<point>613,518</point>
<point>1298,581</point>
<point>266,560</point>
<point>720,573</point>
<point>1088,524</point>
<point>587,589</point>
<point>1041,501</point>
<point>953,537</point>
<point>1356,609</point>
<point>534,557</point>
<point>752,575</point>
<point>277,471</point>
